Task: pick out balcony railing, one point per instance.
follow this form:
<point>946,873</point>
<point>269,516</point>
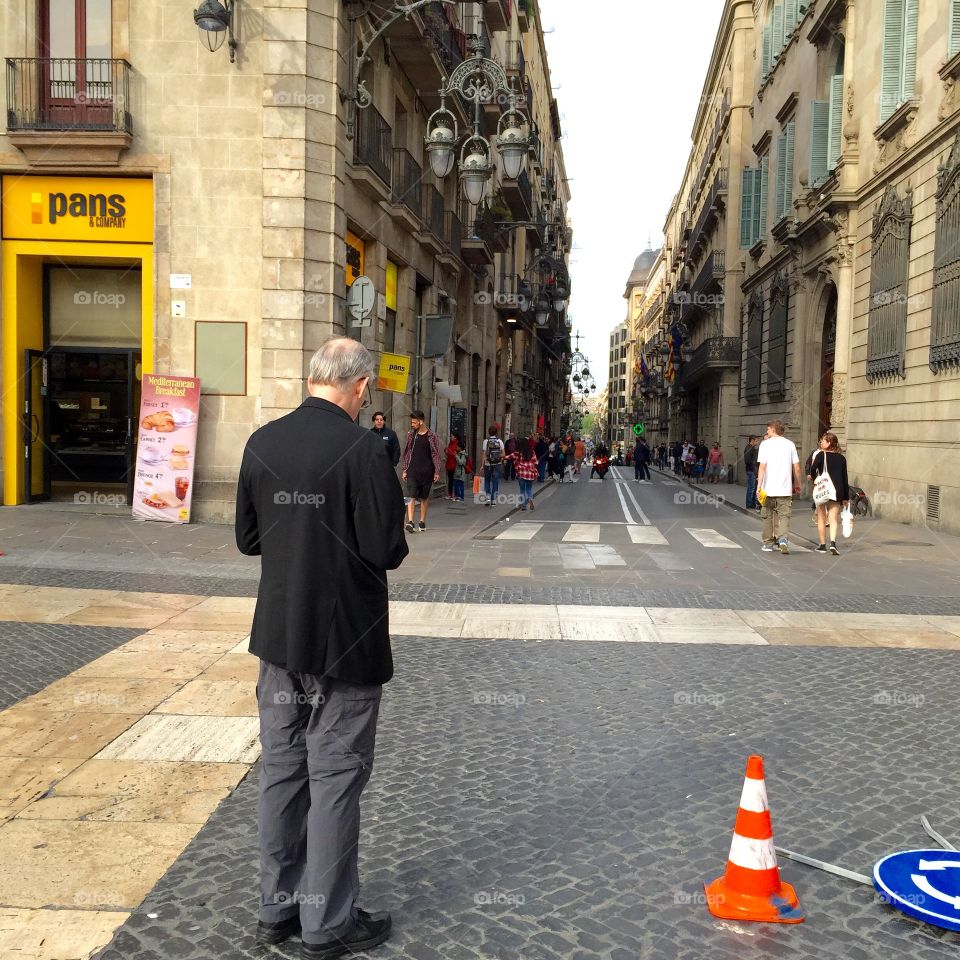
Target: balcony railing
<point>449,42</point>
<point>526,191</point>
<point>516,62</point>
<point>68,94</point>
<point>713,270</point>
<point>710,209</point>
<point>407,181</point>
<point>433,210</point>
<point>453,232</point>
<point>716,353</point>
<point>373,144</point>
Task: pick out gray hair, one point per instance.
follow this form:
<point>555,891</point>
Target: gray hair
<point>340,363</point>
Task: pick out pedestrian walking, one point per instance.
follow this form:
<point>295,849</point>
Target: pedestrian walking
<point>750,470</point>
<point>525,464</point>
<point>390,442</point>
<point>641,461</point>
<point>459,471</point>
<point>779,478</point>
<point>492,462</point>
<point>421,469</point>
<point>830,492</point>
<point>714,463</point>
<point>509,446</point>
<point>678,451</point>
<point>579,454</point>
<point>322,507</point>
<point>450,464</point>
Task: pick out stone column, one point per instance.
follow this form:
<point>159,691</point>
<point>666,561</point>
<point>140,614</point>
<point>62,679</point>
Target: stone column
<point>841,366</point>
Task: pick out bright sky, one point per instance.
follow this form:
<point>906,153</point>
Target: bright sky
<point>627,105</point>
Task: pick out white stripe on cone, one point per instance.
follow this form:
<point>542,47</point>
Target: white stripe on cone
<point>754,796</point>
<point>753,854</point>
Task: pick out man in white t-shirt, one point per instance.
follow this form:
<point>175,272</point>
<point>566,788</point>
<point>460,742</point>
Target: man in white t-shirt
<point>779,478</point>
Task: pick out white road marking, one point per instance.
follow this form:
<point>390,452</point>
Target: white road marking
<point>582,533</point>
<point>521,531</point>
<point>711,538</point>
<point>650,536</point>
<point>623,504</point>
<point>668,562</point>
<point>643,517</point>
<point>605,556</point>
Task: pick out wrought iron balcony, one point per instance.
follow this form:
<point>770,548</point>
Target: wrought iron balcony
<point>453,233</point>
<point>516,62</point>
<point>373,143</point>
<point>407,181</point>
<point>712,205</point>
<point>433,210</point>
<point>449,42</point>
<point>716,353</point>
<point>713,270</point>
<point>60,94</point>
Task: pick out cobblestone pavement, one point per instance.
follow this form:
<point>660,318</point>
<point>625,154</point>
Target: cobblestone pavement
<point>563,800</point>
<point>506,593</point>
<point>34,655</point>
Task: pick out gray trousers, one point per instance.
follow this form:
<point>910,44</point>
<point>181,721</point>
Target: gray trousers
<point>318,738</point>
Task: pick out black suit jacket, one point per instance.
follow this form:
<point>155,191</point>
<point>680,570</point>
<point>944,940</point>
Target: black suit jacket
<point>390,441</point>
<point>319,501</point>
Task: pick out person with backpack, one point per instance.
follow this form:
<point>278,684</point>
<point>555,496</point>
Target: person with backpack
<point>492,462</point>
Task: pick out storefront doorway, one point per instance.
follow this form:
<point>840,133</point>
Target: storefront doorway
<point>82,391</point>
<point>827,357</point>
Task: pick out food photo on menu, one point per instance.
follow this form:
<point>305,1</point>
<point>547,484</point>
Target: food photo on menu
<point>166,451</point>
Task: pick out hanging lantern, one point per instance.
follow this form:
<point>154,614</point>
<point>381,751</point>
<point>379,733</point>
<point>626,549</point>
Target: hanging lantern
<point>476,169</point>
<point>441,140</point>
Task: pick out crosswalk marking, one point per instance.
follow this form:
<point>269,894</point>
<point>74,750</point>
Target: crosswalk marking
<point>521,531</point>
<point>583,533</point>
<point>650,536</point>
<point>711,538</point>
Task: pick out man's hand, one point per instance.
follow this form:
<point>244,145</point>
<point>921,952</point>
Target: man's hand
<point>796,489</point>
<point>404,475</point>
<point>436,478</point>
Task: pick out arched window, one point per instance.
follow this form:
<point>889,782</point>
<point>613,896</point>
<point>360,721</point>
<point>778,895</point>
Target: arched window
<point>945,316</point>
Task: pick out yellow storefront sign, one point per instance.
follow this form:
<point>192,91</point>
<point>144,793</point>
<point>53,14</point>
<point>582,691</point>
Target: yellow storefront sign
<point>356,254</point>
<point>100,209</point>
<point>394,372</point>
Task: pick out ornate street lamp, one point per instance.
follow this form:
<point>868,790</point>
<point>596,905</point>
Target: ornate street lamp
<point>512,142</point>
<point>215,23</point>
<point>476,168</point>
<point>441,140</point>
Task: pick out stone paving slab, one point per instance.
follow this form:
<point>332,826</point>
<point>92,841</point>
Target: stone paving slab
<point>512,592</point>
<point>563,800</point>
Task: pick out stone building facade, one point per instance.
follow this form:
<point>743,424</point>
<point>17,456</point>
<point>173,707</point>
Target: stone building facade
<point>843,234</point>
<point>250,209</point>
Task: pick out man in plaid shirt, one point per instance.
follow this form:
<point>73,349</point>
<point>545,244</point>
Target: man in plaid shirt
<point>421,468</point>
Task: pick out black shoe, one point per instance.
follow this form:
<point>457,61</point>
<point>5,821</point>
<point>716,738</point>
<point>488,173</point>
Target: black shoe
<point>822,548</point>
<point>834,550</point>
<point>409,528</point>
<point>423,527</point>
<point>371,930</point>
<point>277,932</point>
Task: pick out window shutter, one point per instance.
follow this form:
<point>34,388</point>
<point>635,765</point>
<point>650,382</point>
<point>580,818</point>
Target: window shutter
<point>891,83</point>
<point>764,183</point>
<point>792,15</point>
<point>836,120</point>
<point>819,140</point>
<point>788,171</point>
<point>767,51</point>
<point>910,49</point>
<point>777,30</point>
<point>954,42</point>
<point>781,186</point>
<point>746,208</point>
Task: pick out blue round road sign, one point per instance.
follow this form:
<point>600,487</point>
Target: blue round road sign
<point>922,883</point>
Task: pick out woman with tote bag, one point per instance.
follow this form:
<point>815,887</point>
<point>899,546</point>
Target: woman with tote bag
<point>830,489</point>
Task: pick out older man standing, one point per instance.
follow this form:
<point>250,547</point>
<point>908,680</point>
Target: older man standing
<point>319,501</point>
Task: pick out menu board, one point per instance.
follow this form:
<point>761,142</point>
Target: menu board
<point>166,448</point>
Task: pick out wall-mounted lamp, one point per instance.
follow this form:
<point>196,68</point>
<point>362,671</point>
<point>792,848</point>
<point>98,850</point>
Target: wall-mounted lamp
<point>215,23</point>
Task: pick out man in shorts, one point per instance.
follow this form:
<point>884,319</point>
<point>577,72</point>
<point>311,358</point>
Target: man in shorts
<point>421,468</point>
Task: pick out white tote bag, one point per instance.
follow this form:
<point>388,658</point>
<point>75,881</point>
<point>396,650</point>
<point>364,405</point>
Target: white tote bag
<point>823,489</point>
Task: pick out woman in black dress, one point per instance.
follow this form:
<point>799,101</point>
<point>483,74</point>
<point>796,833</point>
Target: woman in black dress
<point>829,458</point>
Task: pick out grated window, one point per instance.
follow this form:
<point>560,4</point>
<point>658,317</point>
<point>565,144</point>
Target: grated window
<point>933,504</point>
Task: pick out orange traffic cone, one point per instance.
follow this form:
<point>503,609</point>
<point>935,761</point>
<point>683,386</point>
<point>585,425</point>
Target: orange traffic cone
<point>751,888</point>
